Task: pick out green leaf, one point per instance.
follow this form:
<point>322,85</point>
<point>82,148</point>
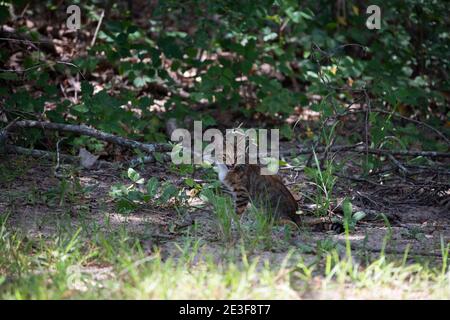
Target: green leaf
<point>359,216</point>
<point>125,206</point>
<point>228,73</point>
<point>135,176</point>
<point>286,131</point>
<point>135,195</point>
<point>208,120</point>
<point>189,182</point>
<point>118,191</point>
<point>86,88</point>
<point>80,108</point>
<point>158,157</point>
<point>270,36</point>
<point>152,187</point>
<point>168,192</point>
<point>141,81</point>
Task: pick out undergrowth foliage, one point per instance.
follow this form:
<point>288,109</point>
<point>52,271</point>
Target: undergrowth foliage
<point>130,197</point>
<point>257,59</point>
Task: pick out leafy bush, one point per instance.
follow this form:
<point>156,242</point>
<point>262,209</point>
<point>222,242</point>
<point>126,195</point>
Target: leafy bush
<point>257,59</point>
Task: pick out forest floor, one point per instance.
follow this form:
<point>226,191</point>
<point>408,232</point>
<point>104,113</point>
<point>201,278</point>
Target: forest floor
<point>404,256</point>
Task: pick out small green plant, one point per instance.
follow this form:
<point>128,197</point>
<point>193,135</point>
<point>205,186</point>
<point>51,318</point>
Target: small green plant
<point>224,212</point>
<point>260,233</point>
<point>325,246</point>
<point>350,218</point>
<point>324,180</point>
<point>130,197</point>
<point>414,233</point>
<point>323,177</point>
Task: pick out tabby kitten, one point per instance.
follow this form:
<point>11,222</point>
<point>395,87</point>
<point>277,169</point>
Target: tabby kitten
<point>266,192</point>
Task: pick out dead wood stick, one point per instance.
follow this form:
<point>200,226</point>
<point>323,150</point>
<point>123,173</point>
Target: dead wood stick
<point>49,155</point>
<point>102,15</point>
<point>87,131</point>
<point>398,164</point>
<point>320,149</point>
<point>436,154</point>
<point>359,147</point>
<point>35,153</point>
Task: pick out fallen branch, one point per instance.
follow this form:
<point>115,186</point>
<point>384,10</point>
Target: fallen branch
<point>87,131</point>
<point>35,153</point>
<point>49,155</point>
<point>398,164</point>
<point>321,149</point>
<point>425,169</point>
<point>432,154</point>
<point>360,148</point>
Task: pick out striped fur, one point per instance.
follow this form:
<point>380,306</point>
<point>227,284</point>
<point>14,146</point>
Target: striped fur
<point>268,192</point>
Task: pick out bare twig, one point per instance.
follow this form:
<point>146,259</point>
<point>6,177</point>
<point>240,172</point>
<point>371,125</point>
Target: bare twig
<point>398,164</point>
<point>87,131</point>
<point>360,147</point>
<point>98,28</point>
<point>427,169</point>
<point>405,153</point>
<point>39,153</point>
<point>42,154</point>
<point>56,171</point>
